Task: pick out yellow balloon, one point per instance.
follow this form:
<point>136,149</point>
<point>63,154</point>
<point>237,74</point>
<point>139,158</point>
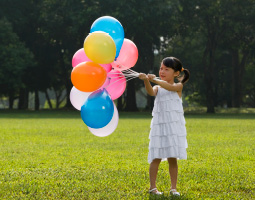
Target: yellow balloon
<point>100,47</point>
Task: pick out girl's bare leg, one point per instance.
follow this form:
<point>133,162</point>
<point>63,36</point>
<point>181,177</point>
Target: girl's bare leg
<point>153,172</point>
<point>173,171</point>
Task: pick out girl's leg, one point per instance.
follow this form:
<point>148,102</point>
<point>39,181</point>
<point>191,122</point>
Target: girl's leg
<point>153,172</point>
<point>173,171</point>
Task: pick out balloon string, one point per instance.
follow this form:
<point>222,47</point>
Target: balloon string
<point>129,72</point>
<point>124,75</point>
<point>130,79</point>
<point>137,74</point>
<point>121,74</point>
<point>115,82</point>
<point>126,80</point>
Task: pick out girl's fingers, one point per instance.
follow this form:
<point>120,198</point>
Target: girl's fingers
<point>143,76</point>
<point>151,76</point>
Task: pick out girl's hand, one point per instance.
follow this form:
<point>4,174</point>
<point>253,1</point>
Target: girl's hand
<point>143,76</point>
<point>151,77</point>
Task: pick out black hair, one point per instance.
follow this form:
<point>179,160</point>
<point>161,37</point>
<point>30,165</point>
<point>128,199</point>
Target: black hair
<point>176,65</point>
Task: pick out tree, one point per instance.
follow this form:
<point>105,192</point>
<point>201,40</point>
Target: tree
<point>249,90</point>
<point>15,61</point>
<point>23,15</point>
<point>212,38</point>
<point>223,26</point>
<point>240,38</point>
<point>65,24</point>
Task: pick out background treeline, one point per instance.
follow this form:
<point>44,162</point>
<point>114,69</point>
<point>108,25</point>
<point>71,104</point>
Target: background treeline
<point>215,40</point>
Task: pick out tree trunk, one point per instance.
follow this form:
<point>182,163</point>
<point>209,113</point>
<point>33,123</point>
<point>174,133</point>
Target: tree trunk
<point>23,99</point>
<point>131,97</point>
<point>237,77</point>
<point>120,104</point>
<point>209,54</point>
<point>68,89</point>
<point>37,101</point>
<point>57,97</point>
<point>60,97</point>
<point>208,79</point>
<point>235,61</point>
<point>11,100</point>
<point>48,99</point>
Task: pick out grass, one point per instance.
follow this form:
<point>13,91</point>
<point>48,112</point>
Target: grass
<point>52,155</point>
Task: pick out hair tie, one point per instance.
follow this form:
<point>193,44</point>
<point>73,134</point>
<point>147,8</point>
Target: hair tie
<point>182,69</point>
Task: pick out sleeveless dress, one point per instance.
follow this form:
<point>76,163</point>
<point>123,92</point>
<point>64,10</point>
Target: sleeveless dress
<point>168,131</point>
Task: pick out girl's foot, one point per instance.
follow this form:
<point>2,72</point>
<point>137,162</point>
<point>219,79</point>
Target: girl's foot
<point>174,192</point>
<point>155,191</point>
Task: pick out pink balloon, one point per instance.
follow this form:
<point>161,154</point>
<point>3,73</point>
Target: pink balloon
<point>127,57</point>
<point>109,128</point>
<point>117,84</point>
<point>80,57</point>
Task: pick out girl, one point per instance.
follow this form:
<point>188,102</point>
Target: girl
<point>168,132</point>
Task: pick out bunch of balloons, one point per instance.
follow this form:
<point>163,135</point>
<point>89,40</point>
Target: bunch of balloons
<point>100,71</point>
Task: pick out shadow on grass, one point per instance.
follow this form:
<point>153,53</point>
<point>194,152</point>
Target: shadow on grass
<point>220,116</point>
<point>162,197</point>
<point>28,114</point>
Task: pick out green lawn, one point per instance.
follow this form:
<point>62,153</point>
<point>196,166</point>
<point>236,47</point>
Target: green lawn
<point>52,155</point>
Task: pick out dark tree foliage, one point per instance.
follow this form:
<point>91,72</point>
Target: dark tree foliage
<point>213,39</point>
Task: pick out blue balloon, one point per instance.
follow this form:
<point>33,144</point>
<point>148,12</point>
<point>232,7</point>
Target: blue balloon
<point>111,26</point>
<point>98,109</point>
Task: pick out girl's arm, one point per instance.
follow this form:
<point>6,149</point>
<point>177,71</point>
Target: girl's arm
<point>170,87</point>
<point>152,91</point>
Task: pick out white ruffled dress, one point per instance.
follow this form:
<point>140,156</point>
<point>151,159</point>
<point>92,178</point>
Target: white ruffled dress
<point>168,131</point>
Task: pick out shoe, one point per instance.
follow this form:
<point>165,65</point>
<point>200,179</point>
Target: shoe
<point>155,191</point>
<point>174,192</point>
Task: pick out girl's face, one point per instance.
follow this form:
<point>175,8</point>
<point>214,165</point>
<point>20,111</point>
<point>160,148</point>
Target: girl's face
<point>167,74</point>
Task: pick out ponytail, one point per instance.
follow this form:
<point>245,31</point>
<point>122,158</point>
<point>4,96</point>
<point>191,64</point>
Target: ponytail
<point>185,77</point>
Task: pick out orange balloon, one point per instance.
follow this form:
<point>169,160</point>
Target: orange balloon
<point>88,76</point>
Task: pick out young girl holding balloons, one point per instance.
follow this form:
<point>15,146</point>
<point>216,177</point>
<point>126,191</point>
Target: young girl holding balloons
<point>168,132</point>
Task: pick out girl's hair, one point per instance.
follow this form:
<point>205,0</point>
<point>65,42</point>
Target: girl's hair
<point>176,65</point>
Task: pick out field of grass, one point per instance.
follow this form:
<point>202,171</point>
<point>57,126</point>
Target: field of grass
<point>52,155</point>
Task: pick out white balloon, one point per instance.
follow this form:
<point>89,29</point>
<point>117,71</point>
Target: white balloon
<point>109,128</point>
<point>78,97</point>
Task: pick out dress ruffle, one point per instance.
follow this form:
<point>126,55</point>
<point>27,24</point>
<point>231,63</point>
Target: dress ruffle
<point>168,131</point>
